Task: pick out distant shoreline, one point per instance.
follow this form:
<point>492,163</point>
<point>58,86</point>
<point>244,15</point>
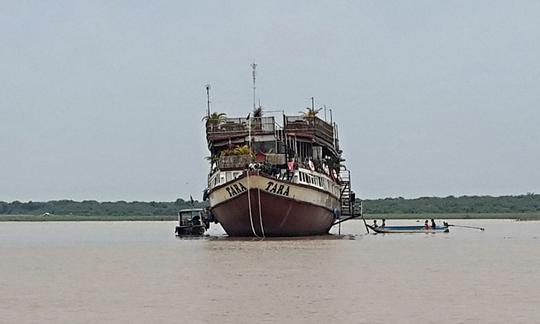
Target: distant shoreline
<point>437,216</point>
<point>81,218</point>
<point>464,207</point>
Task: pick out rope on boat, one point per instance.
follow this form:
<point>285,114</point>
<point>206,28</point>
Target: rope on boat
<point>464,226</point>
<point>260,212</point>
<point>362,215</point>
<point>249,206</point>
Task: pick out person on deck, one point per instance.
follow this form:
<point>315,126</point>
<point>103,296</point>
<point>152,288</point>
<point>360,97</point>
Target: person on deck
<point>375,223</point>
<point>433,223</point>
<point>426,225</point>
<point>383,223</point>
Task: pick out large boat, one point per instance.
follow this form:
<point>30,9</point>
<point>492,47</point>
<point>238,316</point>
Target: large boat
<point>279,175</point>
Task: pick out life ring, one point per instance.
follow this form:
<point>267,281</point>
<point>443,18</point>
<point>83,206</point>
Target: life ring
<point>311,165</point>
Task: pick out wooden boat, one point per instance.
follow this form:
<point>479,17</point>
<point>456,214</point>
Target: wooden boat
<point>276,175</point>
<point>408,229</point>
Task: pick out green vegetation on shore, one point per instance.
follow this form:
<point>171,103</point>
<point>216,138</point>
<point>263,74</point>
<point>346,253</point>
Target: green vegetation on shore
<point>92,208</point>
<point>80,218</point>
<point>524,207</point>
<point>529,203</point>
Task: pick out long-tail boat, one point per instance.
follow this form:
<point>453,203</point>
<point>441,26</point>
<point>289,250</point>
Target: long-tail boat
<point>408,229</point>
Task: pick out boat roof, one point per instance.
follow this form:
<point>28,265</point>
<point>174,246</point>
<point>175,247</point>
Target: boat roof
<point>191,210</point>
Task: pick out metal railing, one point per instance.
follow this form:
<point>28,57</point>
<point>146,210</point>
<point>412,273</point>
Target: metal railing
<point>313,125</point>
<point>241,125</point>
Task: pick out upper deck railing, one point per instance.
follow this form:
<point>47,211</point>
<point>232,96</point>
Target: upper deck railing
<point>311,125</point>
<point>314,127</point>
<point>231,127</point>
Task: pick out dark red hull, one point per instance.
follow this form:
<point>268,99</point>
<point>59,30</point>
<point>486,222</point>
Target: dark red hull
<point>280,216</point>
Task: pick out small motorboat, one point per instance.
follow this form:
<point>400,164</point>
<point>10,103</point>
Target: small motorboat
<point>193,222</point>
<point>408,229</point>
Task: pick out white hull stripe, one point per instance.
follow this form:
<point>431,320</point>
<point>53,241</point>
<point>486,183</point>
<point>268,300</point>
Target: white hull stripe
<point>275,187</point>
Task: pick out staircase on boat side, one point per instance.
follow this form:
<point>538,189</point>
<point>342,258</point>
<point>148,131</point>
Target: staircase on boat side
<point>347,204</point>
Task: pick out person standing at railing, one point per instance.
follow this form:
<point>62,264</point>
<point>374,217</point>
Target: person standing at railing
<point>291,166</point>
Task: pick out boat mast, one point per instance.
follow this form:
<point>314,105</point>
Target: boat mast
<point>208,100</point>
<point>253,67</point>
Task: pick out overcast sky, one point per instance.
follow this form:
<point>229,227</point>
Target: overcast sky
<point>103,99</point>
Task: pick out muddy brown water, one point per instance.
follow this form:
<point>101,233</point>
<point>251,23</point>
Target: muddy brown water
<point>138,272</point>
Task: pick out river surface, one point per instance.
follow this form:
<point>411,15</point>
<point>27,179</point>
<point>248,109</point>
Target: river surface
<point>138,272</point>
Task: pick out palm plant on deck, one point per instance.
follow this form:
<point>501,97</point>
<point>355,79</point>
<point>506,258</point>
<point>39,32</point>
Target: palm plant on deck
<point>214,119</point>
<point>311,112</point>
<point>258,112</point>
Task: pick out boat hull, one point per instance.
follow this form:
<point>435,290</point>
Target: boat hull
<point>259,212</point>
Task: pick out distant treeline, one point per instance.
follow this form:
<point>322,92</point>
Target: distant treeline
<point>464,204</point>
<point>95,208</point>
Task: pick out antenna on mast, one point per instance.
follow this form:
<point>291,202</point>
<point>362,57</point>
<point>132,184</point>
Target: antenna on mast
<point>207,99</point>
<point>253,67</point>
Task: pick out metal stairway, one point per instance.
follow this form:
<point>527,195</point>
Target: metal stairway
<point>347,196</point>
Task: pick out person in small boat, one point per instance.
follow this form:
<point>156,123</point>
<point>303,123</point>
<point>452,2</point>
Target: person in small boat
<point>383,223</point>
<point>375,223</point>
<point>433,223</point>
<point>426,225</point>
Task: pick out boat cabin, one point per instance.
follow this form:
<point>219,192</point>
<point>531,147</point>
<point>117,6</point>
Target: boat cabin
<point>307,140</point>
